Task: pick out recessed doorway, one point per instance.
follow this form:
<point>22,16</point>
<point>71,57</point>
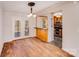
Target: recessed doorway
<point>57,26</point>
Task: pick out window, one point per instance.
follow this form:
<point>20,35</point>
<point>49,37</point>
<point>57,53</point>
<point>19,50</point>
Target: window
<point>17,28</point>
<point>26,28</point>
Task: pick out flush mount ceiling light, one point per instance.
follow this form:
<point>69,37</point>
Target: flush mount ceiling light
<point>31,4</point>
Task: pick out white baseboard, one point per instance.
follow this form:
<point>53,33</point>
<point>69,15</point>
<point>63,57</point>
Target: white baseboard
<point>18,38</point>
<point>70,51</point>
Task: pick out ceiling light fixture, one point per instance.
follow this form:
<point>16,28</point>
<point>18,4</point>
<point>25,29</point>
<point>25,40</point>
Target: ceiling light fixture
<point>31,4</point>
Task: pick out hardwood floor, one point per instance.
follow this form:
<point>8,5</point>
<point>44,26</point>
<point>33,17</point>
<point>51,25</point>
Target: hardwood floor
<point>31,47</point>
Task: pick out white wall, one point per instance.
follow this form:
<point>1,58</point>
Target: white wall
<point>9,19</point>
<point>71,29</point>
<point>70,25</point>
<point>1,38</point>
<point>32,25</point>
<point>50,29</point>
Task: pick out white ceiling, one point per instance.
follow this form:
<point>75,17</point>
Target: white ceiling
<point>21,6</point>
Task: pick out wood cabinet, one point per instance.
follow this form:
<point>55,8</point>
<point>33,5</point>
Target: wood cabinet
<point>42,34</point>
<point>42,28</point>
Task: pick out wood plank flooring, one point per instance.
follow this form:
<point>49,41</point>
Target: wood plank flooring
<point>31,47</point>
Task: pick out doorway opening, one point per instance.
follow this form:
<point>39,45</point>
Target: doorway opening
<point>57,25</point>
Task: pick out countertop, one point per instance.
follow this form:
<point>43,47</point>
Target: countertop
<point>40,28</point>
